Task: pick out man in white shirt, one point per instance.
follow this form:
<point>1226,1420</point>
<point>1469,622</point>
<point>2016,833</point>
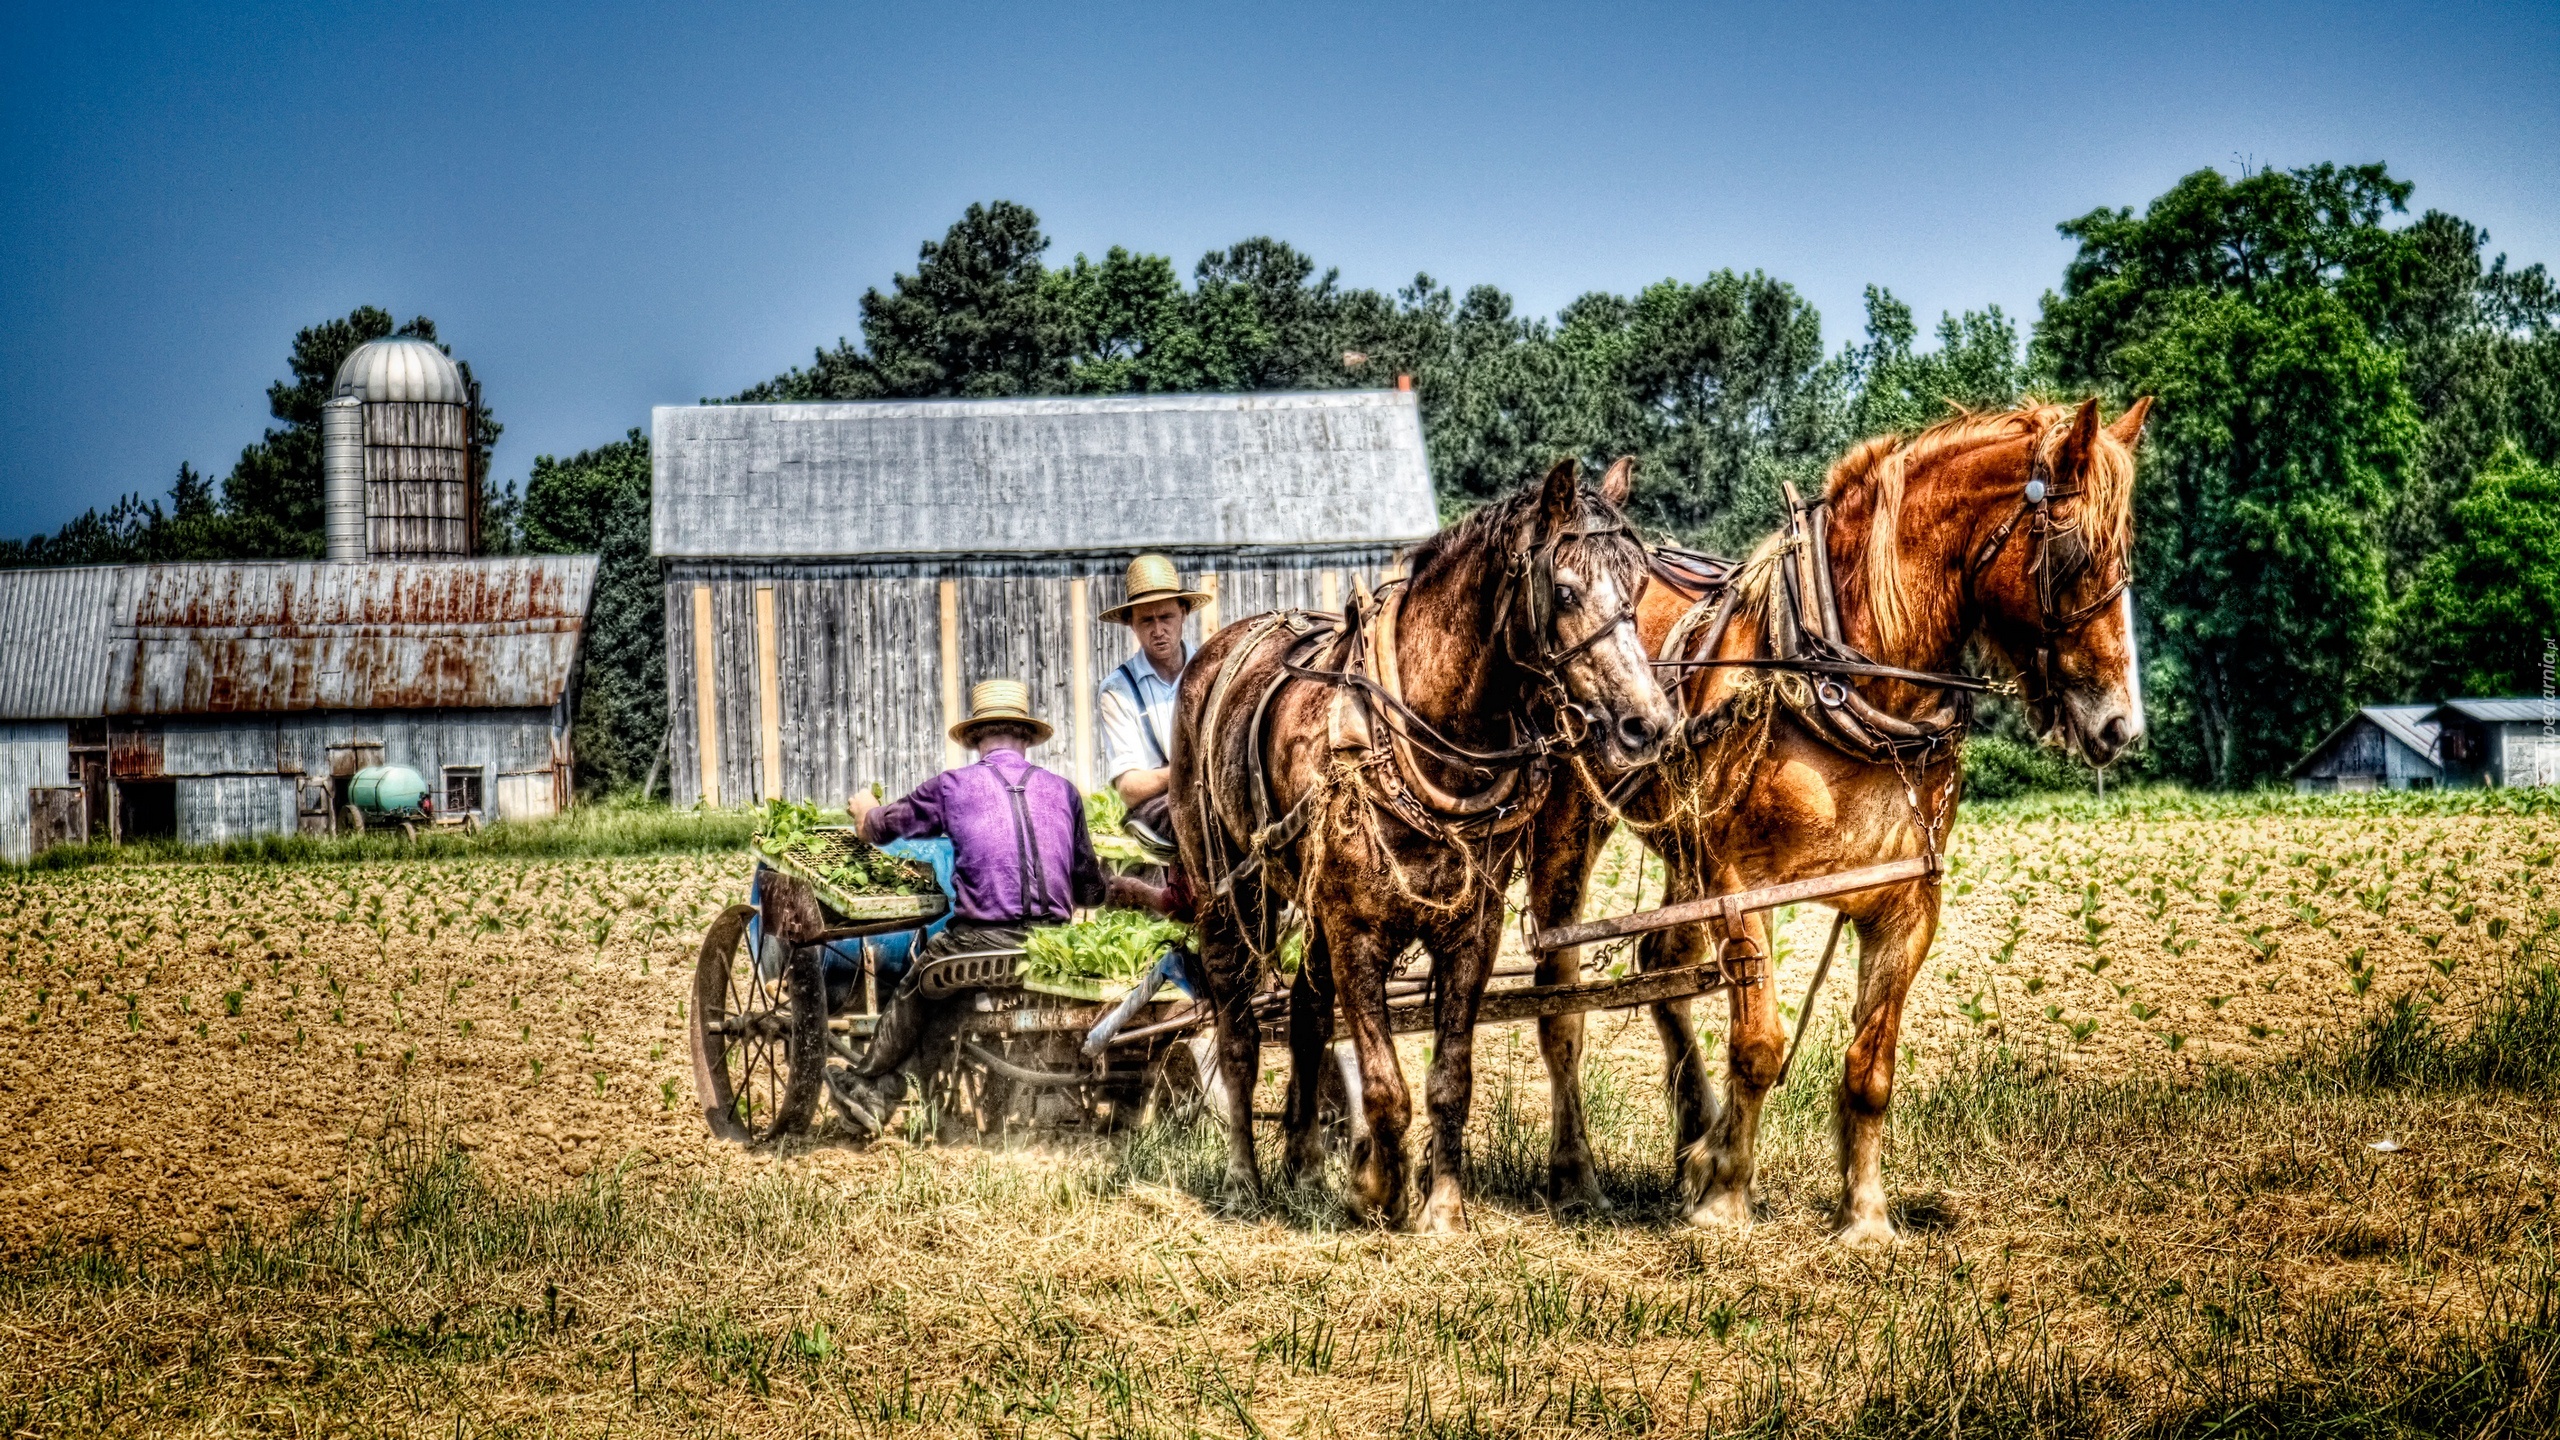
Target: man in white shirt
<point>1136,704</point>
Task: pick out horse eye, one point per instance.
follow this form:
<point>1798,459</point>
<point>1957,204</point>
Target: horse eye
<point>1567,597</point>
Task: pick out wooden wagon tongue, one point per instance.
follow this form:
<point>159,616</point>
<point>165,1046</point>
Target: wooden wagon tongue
<point>1727,910</point>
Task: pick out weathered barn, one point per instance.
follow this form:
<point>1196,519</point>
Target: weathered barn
<point>222,700</point>
<point>838,574</point>
<point>2380,747</point>
<point>2513,741</point>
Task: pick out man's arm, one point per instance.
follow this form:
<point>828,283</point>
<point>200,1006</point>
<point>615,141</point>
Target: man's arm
<point>918,814</point>
<point>1123,757</point>
<point>1137,787</point>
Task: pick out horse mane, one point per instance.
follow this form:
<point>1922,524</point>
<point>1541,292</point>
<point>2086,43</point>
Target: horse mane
<point>1881,466</point>
<point>1486,530</point>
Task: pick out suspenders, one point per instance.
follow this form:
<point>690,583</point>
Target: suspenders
<point>1035,897</point>
<point>1127,675</point>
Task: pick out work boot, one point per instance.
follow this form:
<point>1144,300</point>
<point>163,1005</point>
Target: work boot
<point>1150,823</point>
<point>866,1103</point>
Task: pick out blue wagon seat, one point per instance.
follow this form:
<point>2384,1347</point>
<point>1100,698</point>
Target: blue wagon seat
<point>890,955</point>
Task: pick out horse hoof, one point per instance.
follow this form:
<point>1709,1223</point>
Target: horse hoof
<point>1726,1210</point>
<point>1578,1197</point>
<point>1874,1232</point>
<point>1241,1191</point>
<point>1443,1220</point>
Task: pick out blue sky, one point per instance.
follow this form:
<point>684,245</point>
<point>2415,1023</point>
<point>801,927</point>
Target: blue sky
<point>612,207</point>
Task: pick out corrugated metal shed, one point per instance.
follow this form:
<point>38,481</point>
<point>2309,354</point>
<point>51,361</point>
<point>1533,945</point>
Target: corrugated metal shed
<point>2407,724</point>
<point>1033,476</point>
<point>2354,747</point>
<point>2500,712</point>
<point>53,641</point>
<point>318,635</point>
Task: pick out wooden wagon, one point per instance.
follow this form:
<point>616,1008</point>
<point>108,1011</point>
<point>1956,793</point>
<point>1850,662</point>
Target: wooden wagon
<point>1002,1053</point>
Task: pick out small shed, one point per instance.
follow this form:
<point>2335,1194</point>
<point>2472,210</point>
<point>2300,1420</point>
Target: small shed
<point>2513,741</point>
<point>2380,747</point>
<point>839,574</point>
<point>224,700</point>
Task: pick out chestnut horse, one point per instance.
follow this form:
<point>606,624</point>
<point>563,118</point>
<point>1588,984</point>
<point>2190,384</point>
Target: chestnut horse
<point>2010,528</point>
<point>1380,774</point>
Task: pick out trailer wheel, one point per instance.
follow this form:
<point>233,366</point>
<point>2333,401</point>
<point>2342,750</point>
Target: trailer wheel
<point>759,1045</point>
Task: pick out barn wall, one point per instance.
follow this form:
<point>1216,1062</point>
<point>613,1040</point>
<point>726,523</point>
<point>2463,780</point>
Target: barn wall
<point>521,743</point>
<point>858,651</point>
<point>215,808</point>
<point>32,754</point>
<point>2526,755</point>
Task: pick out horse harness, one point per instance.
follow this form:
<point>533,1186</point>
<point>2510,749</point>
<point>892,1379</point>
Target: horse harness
<point>1355,653</point>
<point>1803,632</point>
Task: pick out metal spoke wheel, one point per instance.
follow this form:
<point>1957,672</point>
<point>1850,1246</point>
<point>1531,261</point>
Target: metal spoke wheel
<point>759,1040</point>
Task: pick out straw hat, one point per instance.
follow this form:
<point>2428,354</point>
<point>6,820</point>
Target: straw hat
<point>1000,702</point>
<point>1153,578</point>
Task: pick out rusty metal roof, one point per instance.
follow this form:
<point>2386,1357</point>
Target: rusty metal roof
<point>53,641</point>
<point>260,636</point>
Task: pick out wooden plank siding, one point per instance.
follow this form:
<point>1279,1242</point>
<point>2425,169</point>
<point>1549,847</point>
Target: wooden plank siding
<point>859,651</point>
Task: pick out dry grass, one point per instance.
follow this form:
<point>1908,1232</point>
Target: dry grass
<point>2112,1235</point>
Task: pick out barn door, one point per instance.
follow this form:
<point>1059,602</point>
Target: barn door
<point>57,815</point>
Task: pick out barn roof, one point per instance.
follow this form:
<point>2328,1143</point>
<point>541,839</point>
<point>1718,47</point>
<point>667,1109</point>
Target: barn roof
<point>2408,724</point>
<point>2500,712</point>
<point>262,636</point>
<point>53,633</point>
<point>1030,476</point>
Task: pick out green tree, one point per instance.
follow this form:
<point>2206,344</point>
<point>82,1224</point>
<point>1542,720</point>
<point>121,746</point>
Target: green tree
<point>979,317</point>
<point>2487,604</point>
<point>597,503</point>
<point>1720,388</point>
<point>2259,520</point>
<point>2283,324</point>
<point>1498,399</point>
<point>1977,366</point>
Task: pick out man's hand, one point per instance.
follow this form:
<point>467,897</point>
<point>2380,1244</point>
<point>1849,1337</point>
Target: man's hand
<point>1137,787</point>
<point>860,805</point>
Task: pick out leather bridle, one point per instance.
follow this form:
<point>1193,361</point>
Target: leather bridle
<point>1805,632</point>
<point>2062,552</point>
<point>1533,572</point>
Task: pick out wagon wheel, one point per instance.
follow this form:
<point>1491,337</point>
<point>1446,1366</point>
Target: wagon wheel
<point>759,1046</point>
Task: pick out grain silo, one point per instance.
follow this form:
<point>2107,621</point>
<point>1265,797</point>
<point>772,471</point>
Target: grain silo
<point>395,446</point>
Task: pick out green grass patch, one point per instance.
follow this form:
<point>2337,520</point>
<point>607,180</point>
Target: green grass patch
<point>608,829</point>
<point>2175,802</point>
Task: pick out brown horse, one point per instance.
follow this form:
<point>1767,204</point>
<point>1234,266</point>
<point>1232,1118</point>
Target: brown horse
<point>1379,774</point>
<point>2012,529</point>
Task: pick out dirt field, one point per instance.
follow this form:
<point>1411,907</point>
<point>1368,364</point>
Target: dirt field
<point>409,1148</point>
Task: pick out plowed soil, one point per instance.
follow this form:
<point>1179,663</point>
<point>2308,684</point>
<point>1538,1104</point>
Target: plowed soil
<point>185,1049</point>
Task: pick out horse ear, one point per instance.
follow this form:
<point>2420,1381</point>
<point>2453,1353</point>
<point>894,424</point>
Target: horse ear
<point>1561,498</point>
<point>2072,461</point>
<point>2128,426</point>
<point>1620,479</point>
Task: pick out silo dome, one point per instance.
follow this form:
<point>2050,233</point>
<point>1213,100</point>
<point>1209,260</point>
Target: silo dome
<point>400,369</point>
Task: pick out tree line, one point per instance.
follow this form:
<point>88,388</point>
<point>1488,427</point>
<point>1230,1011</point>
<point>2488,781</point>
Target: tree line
<point>2348,494</point>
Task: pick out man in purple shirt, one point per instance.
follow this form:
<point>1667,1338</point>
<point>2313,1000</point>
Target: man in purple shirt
<point>1020,857</point>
